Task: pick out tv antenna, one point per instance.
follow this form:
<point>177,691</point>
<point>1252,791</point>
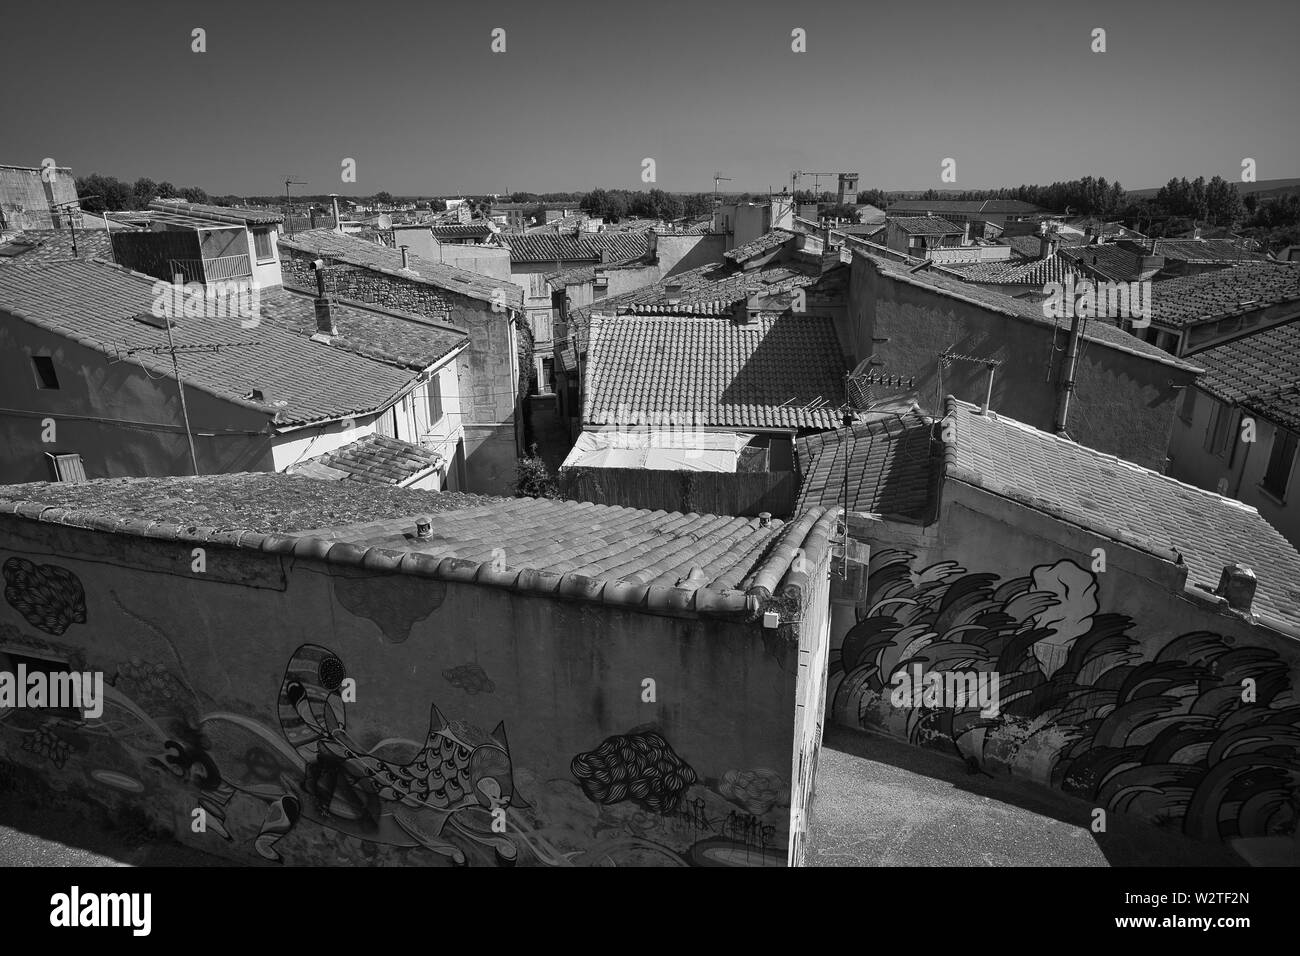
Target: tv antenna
<point>718,178</point>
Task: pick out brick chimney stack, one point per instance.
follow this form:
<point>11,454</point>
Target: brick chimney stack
<point>324,317</point>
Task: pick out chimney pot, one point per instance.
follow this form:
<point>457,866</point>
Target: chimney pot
<point>404,259</point>
<point>423,528</point>
<point>764,519</point>
<point>1237,584</point>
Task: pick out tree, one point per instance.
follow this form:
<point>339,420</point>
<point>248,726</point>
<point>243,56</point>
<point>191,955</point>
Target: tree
<point>383,198</point>
<point>143,192</point>
<point>167,191</point>
<point>841,212</point>
<point>194,194</point>
<point>104,193</point>
<point>697,204</point>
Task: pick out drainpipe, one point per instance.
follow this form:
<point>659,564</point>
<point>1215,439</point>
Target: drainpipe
<point>1245,457</point>
<point>1067,379</point>
<point>988,395</point>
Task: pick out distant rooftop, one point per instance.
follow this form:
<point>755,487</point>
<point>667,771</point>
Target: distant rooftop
<point>352,251</point>
<point>648,561</point>
<point>583,246</point>
<point>926,226</point>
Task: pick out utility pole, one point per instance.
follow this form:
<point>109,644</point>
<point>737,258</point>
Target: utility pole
<point>172,349</point>
<point>288,206</point>
<point>1067,378</point>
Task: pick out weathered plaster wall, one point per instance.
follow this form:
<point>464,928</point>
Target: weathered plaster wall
<point>121,421</point>
<point>319,714</point>
<point>1115,685</point>
<point>1123,404</point>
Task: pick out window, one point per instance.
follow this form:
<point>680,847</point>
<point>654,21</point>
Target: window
<point>67,468</point>
<point>1187,408</point>
<point>1280,463</point>
<point>435,401</point>
<point>1218,432</point>
<point>46,377</point>
<point>262,245</point>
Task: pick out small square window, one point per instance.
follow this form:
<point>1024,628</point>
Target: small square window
<point>1281,460</point>
<point>46,377</point>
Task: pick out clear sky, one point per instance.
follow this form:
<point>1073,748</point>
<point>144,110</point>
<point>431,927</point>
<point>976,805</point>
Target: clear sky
<point>585,91</point>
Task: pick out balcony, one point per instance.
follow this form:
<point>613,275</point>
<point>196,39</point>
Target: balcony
<point>211,270</point>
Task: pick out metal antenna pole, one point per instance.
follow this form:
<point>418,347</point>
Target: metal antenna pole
<point>180,388</point>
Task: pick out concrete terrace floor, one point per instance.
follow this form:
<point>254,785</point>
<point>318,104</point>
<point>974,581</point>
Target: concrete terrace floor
<point>881,802</point>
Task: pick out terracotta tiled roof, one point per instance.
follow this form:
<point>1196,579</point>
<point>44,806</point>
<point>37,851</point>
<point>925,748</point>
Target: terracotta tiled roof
<point>301,381</point>
<point>1027,246</point>
<point>1260,362</point>
<point>252,217</point>
<point>1188,299</point>
<point>1280,405</point>
<point>463,230</point>
<point>1119,499</point>
<point>773,239</point>
<point>1109,260</point>
<point>388,335</point>
<point>577,248</point>
<point>1039,272</point>
<point>370,255</point>
<point>374,460</point>
<point>648,561</point>
<point>41,247</point>
<point>775,372</point>
<point>1206,250</point>
<point>969,206</point>
<point>925,225</point>
<point>890,466</point>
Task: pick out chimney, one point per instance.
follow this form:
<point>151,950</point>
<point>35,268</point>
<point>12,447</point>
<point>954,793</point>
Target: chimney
<point>324,318</point>
<point>1196,233</point>
<point>1047,245</point>
<point>423,528</point>
<point>334,197</point>
<point>1089,235</point>
<point>652,246</point>
<point>1237,584</point>
<point>405,264</point>
<point>764,519</point>
<point>673,292</point>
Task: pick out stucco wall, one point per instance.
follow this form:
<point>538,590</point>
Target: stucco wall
<point>1123,404</point>
<point>1115,684</point>
<point>270,693</point>
<point>121,421</point>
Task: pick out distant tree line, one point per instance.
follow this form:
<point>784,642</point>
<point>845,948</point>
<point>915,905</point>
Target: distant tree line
<point>618,204</point>
<point>110,194</point>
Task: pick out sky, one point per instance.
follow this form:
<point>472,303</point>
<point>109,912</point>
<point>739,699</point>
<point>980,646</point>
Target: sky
<point>585,92</point>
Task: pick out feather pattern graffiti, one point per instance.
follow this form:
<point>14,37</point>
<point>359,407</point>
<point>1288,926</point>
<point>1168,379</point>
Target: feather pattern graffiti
<point>1166,734</point>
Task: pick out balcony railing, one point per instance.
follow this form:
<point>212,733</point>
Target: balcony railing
<point>211,270</point>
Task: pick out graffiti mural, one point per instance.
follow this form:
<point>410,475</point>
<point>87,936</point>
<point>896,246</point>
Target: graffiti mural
<point>1165,732</point>
<point>51,598</point>
<point>305,785</point>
